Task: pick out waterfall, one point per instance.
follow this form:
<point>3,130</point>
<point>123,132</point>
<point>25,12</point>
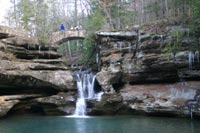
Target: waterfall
<point>129,68</point>
<point>39,48</point>
<point>121,45</point>
<point>97,58</point>
<point>191,59</point>
<point>162,40</point>
<point>98,96</point>
<point>85,85</point>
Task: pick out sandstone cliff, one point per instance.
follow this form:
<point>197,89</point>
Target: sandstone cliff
<point>30,69</point>
<point>140,73</point>
<point>149,72</point>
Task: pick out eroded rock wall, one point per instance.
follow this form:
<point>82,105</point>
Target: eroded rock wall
<point>153,73</point>
<point>30,69</point>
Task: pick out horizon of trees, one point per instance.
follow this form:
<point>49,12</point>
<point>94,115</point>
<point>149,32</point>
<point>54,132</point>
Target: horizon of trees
<point>40,17</point>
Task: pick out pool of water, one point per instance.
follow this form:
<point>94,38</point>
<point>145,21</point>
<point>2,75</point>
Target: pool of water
<point>115,124</point>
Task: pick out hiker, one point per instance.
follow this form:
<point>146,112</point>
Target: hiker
<point>62,27</point>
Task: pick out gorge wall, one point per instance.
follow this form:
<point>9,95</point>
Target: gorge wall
<point>33,77</point>
<point>149,73</point>
<point>139,73</point>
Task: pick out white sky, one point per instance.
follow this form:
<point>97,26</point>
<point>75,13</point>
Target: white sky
<point>4,6</point>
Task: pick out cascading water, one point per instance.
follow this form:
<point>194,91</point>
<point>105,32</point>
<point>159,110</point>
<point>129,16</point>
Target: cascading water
<point>39,48</point>
<point>191,59</point>
<point>97,58</point>
<point>85,84</point>
<point>121,45</point>
<point>98,96</point>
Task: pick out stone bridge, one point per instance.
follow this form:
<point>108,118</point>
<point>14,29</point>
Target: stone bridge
<point>62,36</point>
<point>55,38</point>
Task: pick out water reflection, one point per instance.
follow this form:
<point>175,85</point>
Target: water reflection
<point>80,125</point>
<point>128,124</point>
<point>192,127</point>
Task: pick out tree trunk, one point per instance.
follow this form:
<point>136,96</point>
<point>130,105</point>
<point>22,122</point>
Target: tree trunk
<point>166,9</point>
<point>142,11</point>
<point>69,49</point>
<point>76,14</point>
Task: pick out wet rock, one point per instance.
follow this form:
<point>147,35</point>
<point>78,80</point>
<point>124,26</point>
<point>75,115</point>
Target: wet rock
<point>189,74</point>
<point>58,100</point>
<point>60,104</point>
<point>144,37</point>
<point>182,56</point>
<point>110,104</point>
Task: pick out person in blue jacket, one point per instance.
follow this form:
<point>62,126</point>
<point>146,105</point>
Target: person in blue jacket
<point>62,27</point>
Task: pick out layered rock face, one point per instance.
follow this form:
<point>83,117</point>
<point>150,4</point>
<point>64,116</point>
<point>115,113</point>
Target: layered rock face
<point>150,73</point>
<point>29,70</point>
<point>139,73</point>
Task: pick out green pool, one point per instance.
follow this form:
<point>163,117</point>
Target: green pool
<point>116,124</point>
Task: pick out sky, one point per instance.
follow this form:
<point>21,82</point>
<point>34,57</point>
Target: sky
<point>4,6</point>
